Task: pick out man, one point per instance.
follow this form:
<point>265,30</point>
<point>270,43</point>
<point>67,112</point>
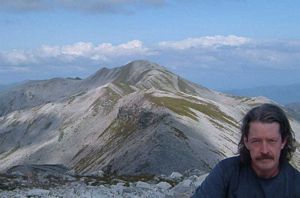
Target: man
<point>262,168</point>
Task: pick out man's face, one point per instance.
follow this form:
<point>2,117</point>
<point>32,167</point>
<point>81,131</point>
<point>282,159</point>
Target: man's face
<point>264,143</point>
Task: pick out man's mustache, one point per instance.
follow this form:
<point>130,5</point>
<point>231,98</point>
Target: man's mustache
<point>264,157</point>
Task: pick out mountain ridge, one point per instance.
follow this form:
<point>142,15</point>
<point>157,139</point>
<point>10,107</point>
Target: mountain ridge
<point>134,73</point>
<point>125,120</point>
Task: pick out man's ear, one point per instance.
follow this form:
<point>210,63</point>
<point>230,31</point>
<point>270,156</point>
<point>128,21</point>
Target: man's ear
<point>283,143</point>
<point>245,139</point>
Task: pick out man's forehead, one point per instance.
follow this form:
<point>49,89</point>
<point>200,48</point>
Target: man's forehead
<point>264,129</point>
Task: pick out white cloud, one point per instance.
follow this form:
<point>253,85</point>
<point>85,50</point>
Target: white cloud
<point>207,41</point>
<point>17,57</point>
<point>78,49</point>
<point>49,51</point>
<point>96,52</point>
<point>204,57</point>
<point>210,52</point>
<point>134,47</point>
<point>75,52</point>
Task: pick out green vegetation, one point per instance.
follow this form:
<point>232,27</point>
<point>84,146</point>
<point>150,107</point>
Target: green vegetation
<point>193,98</point>
<point>117,132</point>
<point>120,128</point>
<point>72,98</point>
<point>124,87</point>
<point>114,137</point>
<point>80,151</point>
<point>184,87</point>
<point>96,104</point>
<point>114,96</point>
<point>107,102</point>
<point>179,106</point>
<point>111,100</point>
<point>216,124</point>
<point>183,107</point>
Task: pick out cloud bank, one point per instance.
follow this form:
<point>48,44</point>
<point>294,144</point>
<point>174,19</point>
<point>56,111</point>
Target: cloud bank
<point>210,55</point>
<point>212,51</point>
<point>205,42</point>
<point>101,52</point>
<point>71,53</point>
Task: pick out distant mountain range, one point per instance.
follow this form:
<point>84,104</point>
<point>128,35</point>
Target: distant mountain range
<point>283,94</point>
<point>139,118</point>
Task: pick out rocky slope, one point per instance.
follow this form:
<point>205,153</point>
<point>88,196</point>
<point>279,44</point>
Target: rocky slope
<point>136,119</point>
<point>58,181</point>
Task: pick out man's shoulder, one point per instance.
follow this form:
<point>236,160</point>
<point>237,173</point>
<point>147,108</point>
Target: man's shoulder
<point>293,177</point>
<point>228,166</point>
<point>293,170</point>
<point>230,162</point>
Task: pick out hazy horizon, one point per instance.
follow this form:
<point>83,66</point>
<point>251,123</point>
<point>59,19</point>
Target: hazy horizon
<point>218,44</point>
<point>208,84</point>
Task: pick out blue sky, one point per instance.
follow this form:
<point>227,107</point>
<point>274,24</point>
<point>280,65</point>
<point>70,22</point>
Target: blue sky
<point>220,44</point>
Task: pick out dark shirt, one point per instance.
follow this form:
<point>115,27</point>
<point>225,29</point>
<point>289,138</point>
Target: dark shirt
<point>231,178</point>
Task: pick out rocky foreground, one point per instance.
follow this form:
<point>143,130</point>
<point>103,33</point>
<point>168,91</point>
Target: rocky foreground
<point>23,182</point>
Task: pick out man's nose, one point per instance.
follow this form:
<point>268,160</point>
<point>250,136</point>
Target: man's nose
<point>265,147</point>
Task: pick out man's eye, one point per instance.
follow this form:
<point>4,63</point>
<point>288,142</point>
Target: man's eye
<point>272,141</point>
<point>255,141</point>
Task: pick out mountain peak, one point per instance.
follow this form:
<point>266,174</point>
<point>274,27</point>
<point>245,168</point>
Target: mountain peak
<point>142,65</point>
<point>135,71</point>
<point>145,75</point>
<point>124,74</point>
<point>136,75</point>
